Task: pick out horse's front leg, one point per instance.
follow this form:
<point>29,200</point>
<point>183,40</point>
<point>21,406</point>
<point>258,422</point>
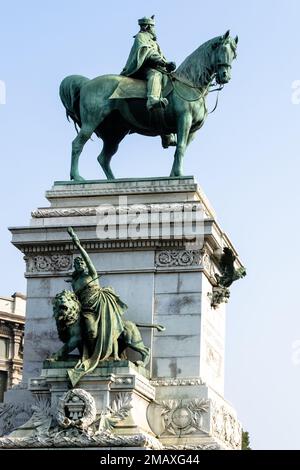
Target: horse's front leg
<point>183,131</point>
<point>77,145</point>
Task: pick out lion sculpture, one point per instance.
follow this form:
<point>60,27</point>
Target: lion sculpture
<point>66,311</point>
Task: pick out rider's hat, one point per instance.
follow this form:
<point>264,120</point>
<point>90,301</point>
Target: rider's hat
<point>146,21</point>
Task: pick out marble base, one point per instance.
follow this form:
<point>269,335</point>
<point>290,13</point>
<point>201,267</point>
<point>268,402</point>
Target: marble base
<point>117,393</point>
<point>129,411</point>
<point>162,280</point>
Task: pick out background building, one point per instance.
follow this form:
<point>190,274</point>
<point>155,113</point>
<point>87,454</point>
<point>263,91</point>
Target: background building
<point>12,319</point>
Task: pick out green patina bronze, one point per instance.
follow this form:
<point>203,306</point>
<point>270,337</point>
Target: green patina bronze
<point>229,274</point>
<point>148,98</point>
<point>91,318</point>
<point>147,62</point>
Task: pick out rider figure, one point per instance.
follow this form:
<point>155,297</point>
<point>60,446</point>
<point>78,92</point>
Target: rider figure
<point>147,62</point>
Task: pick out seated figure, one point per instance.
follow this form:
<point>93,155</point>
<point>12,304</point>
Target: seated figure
<point>147,62</point>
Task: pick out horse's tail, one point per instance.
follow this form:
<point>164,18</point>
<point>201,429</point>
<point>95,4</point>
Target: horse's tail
<point>69,92</point>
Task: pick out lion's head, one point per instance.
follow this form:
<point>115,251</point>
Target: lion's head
<point>66,308</point>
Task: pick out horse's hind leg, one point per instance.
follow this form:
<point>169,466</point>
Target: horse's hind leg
<point>108,150</point>
<point>77,145</point>
<point>110,147</point>
<point>112,130</point>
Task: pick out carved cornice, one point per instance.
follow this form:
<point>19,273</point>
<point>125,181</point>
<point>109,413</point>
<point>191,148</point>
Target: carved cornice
<point>121,187</point>
<point>63,212</point>
<point>176,382</point>
<point>102,209</point>
<point>97,245</point>
<point>143,386</point>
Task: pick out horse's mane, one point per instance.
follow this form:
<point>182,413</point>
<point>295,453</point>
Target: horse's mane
<point>196,66</point>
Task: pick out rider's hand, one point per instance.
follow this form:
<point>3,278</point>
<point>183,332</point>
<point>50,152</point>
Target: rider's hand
<point>170,66</point>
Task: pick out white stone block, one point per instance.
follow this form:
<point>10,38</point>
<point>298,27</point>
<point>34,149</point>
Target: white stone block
<point>176,366</point>
<point>136,290</point>
<point>166,283</point>
<point>38,287</point>
<point>175,324</point>
<point>41,339</point>
<point>177,304</point>
<point>176,346</point>
<point>190,282</point>
<point>38,308</point>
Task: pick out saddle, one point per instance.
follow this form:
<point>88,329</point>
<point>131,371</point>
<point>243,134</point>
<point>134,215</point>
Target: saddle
<point>136,88</point>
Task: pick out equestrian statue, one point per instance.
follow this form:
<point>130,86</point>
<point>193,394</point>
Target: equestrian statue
<point>150,97</point>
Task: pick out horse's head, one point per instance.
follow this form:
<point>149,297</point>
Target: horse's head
<point>224,53</point>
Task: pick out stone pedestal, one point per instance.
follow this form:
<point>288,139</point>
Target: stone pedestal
<point>110,382</point>
<point>163,277</point>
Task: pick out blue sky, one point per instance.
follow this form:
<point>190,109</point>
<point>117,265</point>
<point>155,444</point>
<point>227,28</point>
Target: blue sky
<point>246,158</point>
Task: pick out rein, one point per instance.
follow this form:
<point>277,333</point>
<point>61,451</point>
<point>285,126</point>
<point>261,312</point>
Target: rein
<point>173,79</point>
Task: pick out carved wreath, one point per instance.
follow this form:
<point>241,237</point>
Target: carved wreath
<point>180,419</point>
<point>88,415</point>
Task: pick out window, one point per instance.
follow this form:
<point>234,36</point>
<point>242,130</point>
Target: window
<point>3,348</point>
<point>3,384</point>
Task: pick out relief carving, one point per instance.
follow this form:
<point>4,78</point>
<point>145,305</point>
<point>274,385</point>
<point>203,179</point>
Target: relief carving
<point>48,263</point>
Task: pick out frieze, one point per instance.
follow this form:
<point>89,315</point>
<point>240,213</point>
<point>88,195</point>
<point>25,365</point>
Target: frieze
<point>48,263</point>
<point>169,258</point>
<point>176,382</point>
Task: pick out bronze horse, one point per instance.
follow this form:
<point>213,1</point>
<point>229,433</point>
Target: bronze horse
<point>92,106</point>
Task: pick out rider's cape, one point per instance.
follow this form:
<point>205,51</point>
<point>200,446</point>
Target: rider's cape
<point>143,48</point>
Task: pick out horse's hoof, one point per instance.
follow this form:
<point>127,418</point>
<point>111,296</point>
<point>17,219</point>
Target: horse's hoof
<point>76,178</point>
<point>176,174</point>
